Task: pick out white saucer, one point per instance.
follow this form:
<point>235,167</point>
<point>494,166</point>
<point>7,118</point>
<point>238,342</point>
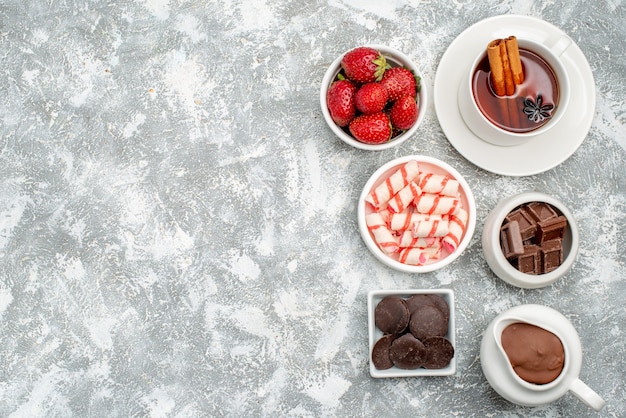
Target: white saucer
<point>540,153</point>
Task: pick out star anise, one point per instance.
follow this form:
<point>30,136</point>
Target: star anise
<point>536,110</point>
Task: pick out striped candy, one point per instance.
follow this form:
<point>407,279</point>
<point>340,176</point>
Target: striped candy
<point>430,228</point>
<point>379,197</point>
<point>383,237</point>
<point>435,204</point>
<point>408,240</point>
<point>419,256</point>
<point>458,222</point>
<point>438,183</point>
<point>416,215</point>
<point>404,221</point>
<point>401,200</point>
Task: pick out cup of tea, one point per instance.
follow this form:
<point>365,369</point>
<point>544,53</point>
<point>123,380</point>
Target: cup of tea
<point>534,105</point>
<point>536,357</point>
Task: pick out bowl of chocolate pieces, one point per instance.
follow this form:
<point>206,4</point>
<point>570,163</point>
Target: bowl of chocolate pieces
<point>411,333</point>
<point>530,240</point>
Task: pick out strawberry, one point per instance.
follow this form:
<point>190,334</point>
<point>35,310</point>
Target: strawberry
<point>399,81</point>
<point>364,65</point>
<point>370,98</point>
<point>403,113</point>
<point>340,101</point>
<point>371,129</point>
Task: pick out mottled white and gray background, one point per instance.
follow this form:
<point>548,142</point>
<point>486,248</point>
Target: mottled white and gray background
<point>177,224</point>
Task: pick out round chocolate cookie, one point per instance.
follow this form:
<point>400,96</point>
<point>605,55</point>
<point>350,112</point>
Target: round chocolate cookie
<point>418,300</point>
<point>380,352</point>
<point>440,303</point>
<point>428,321</point>
<point>437,301</point>
<point>407,352</point>
<point>391,315</point>
<point>439,352</point>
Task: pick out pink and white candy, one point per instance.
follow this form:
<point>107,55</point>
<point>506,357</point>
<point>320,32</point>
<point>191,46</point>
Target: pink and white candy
<point>383,237</point>
<point>401,200</point>
<point>404,221</point>
<point>430,228</point>
<point>379,197</point>
<point>458,223</point>
<point>408,240</point>
<point>417,215</point>
<point>438,183</point>
<point>419,256</point>
<point>431,203</point>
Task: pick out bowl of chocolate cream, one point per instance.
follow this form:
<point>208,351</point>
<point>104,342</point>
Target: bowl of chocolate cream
<point>530,240</point>
<point>531,355</point>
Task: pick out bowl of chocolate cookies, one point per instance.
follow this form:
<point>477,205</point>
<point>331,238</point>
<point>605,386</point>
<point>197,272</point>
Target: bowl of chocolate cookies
<point>530,240</point>
<point>411,333</point>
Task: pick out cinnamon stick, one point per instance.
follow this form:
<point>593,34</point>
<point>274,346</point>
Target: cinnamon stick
<point>497,69</point>
<point>508,74</point>
<point>512,49</point>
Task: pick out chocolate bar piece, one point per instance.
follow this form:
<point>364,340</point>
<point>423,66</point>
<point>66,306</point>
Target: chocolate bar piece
<point>530,261</point>
<point>541,211</point>
<point>511,240</point>
<point>551,255</point>
<point>541,228</point>
<point>550,229</point>
<point>527,225</point>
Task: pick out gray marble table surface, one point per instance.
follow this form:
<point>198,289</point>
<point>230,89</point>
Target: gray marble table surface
<point>178,233</point>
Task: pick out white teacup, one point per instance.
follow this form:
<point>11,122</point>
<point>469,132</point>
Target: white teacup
<point>516,389</point>
<point>487,130</point>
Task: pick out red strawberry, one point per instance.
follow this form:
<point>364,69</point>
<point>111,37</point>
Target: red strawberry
<point>399,82</point>
<point>364,65</point>
<point>371,129</point>
<point>370,98</point>
<point>403,113</point>
<point>340,101</point>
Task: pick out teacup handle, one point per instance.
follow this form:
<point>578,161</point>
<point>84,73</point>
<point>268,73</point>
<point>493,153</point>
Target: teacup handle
<point>586,394</point>
<point>561,45</point>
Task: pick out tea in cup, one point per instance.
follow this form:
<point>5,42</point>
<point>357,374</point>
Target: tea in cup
<point>527,101</point>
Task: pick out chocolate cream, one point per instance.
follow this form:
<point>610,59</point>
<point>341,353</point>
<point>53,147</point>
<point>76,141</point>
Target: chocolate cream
<point>536,355</point>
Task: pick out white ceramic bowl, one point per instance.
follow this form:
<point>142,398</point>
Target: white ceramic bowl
<point>396,59</point>
<point>374,297</point>
<point>427,164</point>
<point>498,262</point>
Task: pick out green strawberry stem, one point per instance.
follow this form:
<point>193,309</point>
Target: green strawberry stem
<point>381,67</point>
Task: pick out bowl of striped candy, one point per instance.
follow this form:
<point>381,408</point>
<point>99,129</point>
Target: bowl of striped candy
<point>416,214</point>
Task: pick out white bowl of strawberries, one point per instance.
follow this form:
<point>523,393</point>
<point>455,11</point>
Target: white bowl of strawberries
<point>372,97</point>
